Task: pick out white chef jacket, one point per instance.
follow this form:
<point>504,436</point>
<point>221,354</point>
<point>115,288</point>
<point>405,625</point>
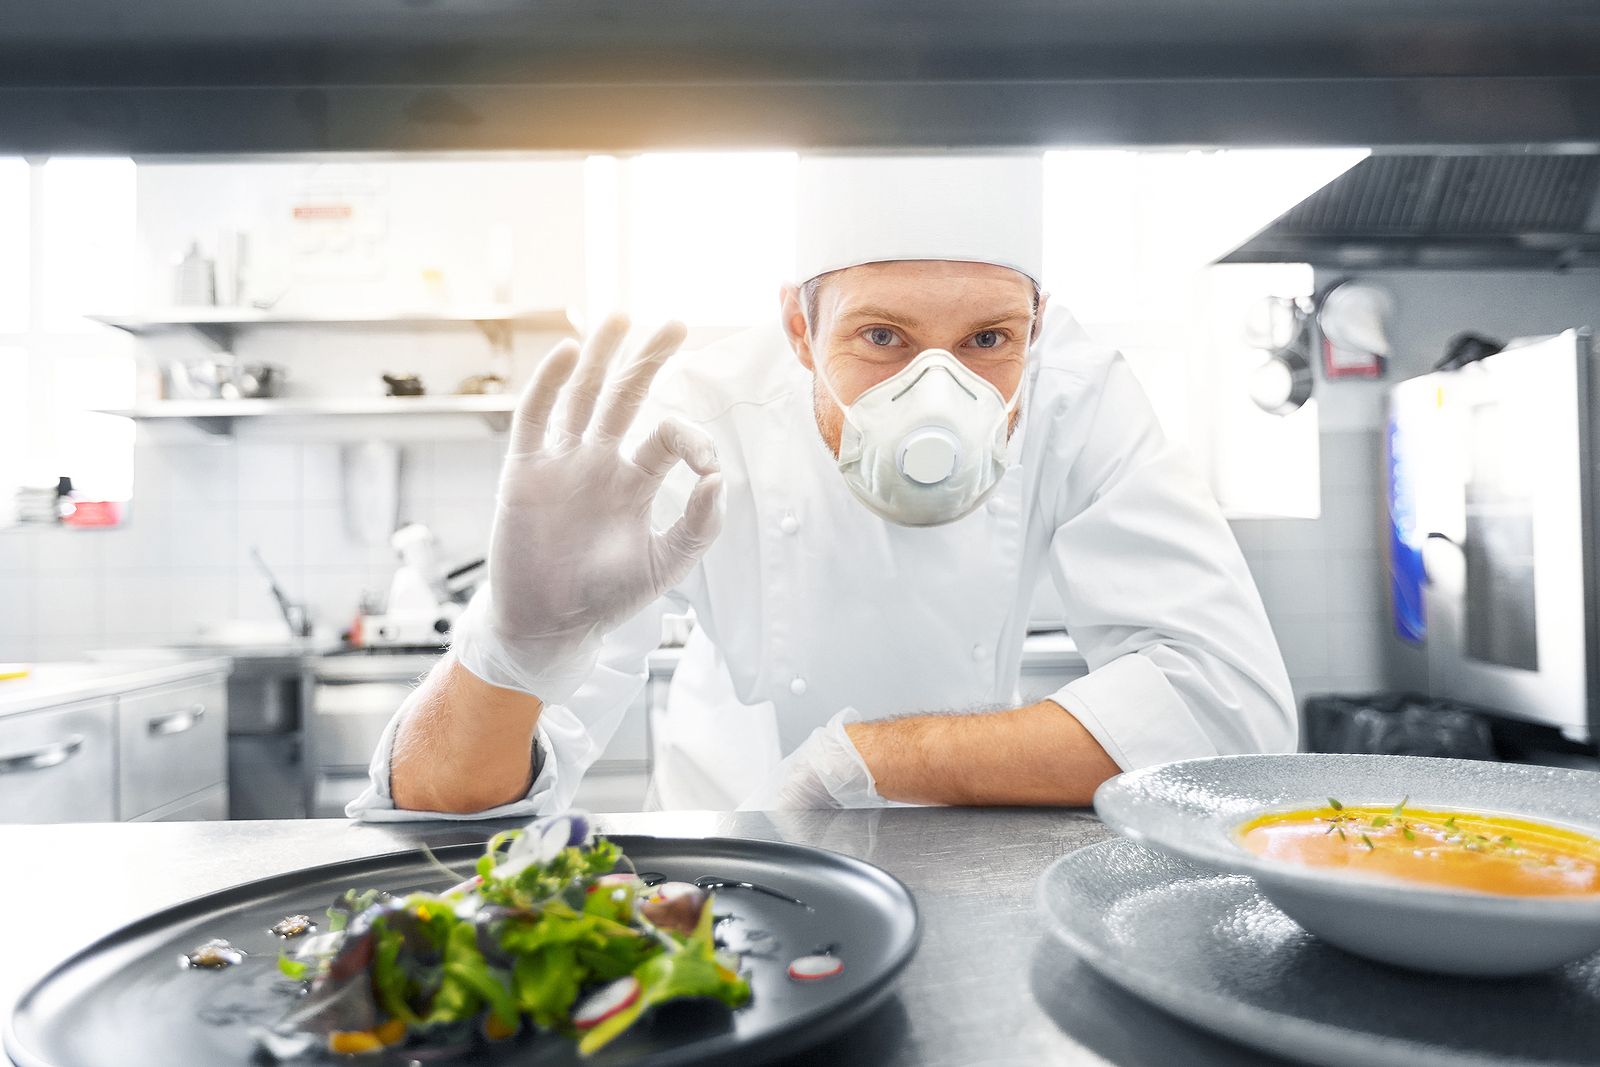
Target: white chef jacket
<point>808,602</point>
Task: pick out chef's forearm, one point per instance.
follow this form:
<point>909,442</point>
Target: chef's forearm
<point>463,745</point>
<point>1035,755</point>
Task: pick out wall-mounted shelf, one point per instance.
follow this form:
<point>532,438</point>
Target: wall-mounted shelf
<point>219,416</point>
<point>220,326</point>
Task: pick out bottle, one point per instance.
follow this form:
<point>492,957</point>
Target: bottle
<point>65,498</point>
<point>194,281</point>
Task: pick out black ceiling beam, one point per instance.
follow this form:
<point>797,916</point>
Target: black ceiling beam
<point>157,77</point>
<point>146,122</point>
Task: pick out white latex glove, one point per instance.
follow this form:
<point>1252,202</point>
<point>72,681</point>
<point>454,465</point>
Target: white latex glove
<point>573,554</point>
<point>826,771</point>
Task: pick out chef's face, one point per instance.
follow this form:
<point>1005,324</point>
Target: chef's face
<point>863,324</point>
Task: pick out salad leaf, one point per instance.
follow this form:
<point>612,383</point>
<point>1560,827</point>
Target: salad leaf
<point>693,970</point>
<point>536,932</point>
<point>547,983</point>
<point>299,970</point>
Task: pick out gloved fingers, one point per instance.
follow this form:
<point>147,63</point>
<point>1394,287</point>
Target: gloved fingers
<point>672,440</point>
<point>539,398</point>
<point>687,539</point>
<point>583,391</point>
<point>627,390</point>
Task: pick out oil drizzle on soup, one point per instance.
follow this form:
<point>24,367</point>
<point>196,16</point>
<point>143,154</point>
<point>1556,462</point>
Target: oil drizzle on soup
<point>1485,853</point>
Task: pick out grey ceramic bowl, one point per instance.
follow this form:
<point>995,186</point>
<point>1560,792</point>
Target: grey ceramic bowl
<point>1192,809</point>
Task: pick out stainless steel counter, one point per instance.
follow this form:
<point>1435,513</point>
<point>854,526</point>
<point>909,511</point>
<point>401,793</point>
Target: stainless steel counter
<point>51,684</point>
<point>988,986</point>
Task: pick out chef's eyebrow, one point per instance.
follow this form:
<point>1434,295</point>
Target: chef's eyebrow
<point>883,314</point>
<point>1001,320</point>
<point>899,319</point>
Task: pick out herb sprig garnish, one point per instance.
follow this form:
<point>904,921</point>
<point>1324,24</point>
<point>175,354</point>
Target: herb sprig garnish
<point>1396,818</point>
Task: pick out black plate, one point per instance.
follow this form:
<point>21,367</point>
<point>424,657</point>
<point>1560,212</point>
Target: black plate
<point>125,1000</point>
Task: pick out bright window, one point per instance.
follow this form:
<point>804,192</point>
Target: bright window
<point>703,237</point>
<point>56,366</point>
<point>1130,239</point>
<point>15,291</point>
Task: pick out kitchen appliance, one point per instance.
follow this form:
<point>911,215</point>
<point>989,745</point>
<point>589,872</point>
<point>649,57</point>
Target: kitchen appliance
<point>424,597</point>
<point>352,694</point>
<point>1494,541</point>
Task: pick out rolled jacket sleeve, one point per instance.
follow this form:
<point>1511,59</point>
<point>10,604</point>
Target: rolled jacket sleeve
<point>1183,662</point>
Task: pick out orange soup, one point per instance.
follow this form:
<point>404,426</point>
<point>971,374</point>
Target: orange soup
<point>1450,849</point>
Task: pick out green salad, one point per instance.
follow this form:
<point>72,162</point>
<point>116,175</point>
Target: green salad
<point>549,935</point>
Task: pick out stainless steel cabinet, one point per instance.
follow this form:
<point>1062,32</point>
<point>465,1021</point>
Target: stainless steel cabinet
<point>205,806</point>
<point>172,744</point>
<point>59,764</point>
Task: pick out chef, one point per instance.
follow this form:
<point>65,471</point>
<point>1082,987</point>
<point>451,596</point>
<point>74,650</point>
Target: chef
<point>858,503</point>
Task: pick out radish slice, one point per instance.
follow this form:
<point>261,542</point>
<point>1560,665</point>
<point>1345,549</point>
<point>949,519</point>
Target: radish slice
<point>613,881</point>
<point>673,890</point>
<point>605,1003</point>
<point>810,968</point>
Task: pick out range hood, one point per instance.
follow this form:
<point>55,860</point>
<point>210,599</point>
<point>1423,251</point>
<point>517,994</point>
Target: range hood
<point>165,77</point>
<point>1523,210</point>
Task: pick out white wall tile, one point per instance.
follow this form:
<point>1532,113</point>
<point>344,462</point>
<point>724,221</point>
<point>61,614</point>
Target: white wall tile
<point>268,472</point>
<point>200,598</point>
<point>1355,646</point>
<point>466,470</point>
<point>70,550</point>
<point>416,480</point>
<point>1355,586</point>
<point>1304,643</point>
<point>139,602</point>
<point>16,603</point>
<point>1249,534</point>
<point>18,649</point>
<point>274,529</point>
<point>1350,460</point>
<point>205,536</point>
<point>48,649</point>
<point>16,549</point>
<point>319,473</point>
<point>143,541</point>
<point>462,529</point>
<point>326,543</point>
<point>69,605</point>
<point>198,472</point>
<point>253,599</point>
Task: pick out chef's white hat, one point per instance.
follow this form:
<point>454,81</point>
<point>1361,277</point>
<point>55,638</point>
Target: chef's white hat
<point>871,209</point>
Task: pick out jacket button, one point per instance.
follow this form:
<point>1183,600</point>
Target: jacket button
<point>980,652</point>
<point>798,687</point>
<point>996,505</point>
<point>789,524</point>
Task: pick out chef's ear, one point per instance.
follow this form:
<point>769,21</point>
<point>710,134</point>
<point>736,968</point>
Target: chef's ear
<point>1038,316</point>
<point>794,323</point>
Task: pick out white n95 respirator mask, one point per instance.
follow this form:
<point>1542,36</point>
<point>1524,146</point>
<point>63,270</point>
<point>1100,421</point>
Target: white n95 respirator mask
<point>927,445</point>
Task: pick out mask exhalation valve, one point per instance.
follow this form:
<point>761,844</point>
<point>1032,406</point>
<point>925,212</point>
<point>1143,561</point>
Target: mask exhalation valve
<point>929,455</point>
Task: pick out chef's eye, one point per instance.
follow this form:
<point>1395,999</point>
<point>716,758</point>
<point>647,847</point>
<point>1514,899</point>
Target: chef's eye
<point>988,338</point>
<point>881,336</point>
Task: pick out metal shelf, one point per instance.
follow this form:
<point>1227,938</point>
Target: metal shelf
<point>220,326</point>
<point>218,416</point>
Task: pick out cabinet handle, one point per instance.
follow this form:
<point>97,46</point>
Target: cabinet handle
<point>39,758</point>
<point>177,722</point>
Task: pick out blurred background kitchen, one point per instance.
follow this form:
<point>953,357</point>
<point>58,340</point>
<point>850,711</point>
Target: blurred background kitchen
<point>252,411</point>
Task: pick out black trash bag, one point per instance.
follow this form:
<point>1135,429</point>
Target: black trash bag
<point>1396,724</point>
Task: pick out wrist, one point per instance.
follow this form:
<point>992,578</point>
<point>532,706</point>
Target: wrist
<point>543,672</point>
